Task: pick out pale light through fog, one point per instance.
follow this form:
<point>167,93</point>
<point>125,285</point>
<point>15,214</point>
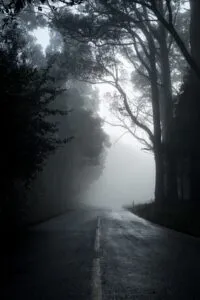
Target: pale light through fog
<point>129,172</point>
<point>42,36</point>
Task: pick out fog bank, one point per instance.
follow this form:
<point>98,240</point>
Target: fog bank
<point>128,176</point>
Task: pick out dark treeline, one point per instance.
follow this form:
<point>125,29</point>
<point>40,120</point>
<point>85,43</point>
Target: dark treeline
<point>53,144</point>
<point>91,43</point>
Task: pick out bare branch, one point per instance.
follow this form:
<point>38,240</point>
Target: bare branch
<point>97,82</point>
<point>141,58</point>
<point>125,126</point>
<point>170,28</point>
<point>133,118</point>
<point>169,7</point>
<point>117,140</point>
<point>112,124</point>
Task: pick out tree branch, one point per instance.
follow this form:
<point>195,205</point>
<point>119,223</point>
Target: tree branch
<point>123,125</point>
<point>170,28</point>
<point>134,118</point>
<point>169,8</point>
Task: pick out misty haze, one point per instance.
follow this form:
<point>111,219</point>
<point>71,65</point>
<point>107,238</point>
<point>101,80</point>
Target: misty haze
<point>128,177</point>
<point>100,149</point>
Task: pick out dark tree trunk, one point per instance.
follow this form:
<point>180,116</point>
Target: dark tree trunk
<point>166,108</point>
<point>155,94</point>
<point>195,30</point>
<point>171,186</point>
<point>158,151</point>
<point>194,178</point>
<point>166,102</point>
<point>195,102</point>
<point>159,178</point>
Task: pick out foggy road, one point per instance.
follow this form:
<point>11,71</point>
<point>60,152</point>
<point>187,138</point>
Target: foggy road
<point>103,254</point>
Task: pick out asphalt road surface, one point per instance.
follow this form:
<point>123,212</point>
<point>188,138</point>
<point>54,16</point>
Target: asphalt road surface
<point>102,254</point>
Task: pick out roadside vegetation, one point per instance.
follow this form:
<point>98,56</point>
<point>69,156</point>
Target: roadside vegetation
<point>182,217</point>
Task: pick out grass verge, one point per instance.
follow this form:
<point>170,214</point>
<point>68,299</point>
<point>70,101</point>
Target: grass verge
<point>183,217</point>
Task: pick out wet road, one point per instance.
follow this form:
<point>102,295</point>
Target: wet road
<point>102,254</point>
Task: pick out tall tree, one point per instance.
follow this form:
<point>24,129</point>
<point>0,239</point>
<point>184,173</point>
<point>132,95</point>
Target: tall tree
<point>27,136</point>
<point>186,137</point>
<point>122,26</point>
<point>188,110</point>
<point>72,168</point>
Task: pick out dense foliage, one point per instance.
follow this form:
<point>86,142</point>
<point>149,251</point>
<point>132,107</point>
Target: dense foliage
<point>41,117</point>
